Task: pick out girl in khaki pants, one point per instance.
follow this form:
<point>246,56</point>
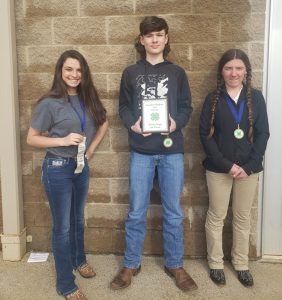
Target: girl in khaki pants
<point>234,133</point>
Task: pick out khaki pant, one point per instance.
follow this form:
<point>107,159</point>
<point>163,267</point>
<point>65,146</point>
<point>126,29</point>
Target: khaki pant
<point>243,191</point>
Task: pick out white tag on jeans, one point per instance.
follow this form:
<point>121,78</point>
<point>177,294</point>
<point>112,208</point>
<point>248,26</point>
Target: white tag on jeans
<point>80,156</point>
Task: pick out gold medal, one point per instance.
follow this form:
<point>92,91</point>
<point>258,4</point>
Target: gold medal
<point>238,133</point>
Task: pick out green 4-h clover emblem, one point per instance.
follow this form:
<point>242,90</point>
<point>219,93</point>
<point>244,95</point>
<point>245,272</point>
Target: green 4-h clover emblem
<point>155,116</point>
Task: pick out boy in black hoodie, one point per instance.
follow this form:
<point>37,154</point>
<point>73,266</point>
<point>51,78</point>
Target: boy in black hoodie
<point>154,78</point>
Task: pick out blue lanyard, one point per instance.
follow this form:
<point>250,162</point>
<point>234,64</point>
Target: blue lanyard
<point>82,119</point>
<point>237,116</point>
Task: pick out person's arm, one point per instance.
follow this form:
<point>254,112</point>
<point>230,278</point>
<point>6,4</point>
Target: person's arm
<point>97,139</point>
<point>184,106</point>
<point>36,139</point>
<point>260,136</point>
<point>125,102</point>
<point>209,144</point>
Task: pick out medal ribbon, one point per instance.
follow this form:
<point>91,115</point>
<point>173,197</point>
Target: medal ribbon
<point>237,115</point>
<point>82,119</point>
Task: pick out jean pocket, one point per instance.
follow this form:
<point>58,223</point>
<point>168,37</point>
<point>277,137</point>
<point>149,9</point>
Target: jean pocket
<point>57,163</point>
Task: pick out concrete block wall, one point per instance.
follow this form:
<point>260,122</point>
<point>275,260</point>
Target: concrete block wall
<point>200,31</point>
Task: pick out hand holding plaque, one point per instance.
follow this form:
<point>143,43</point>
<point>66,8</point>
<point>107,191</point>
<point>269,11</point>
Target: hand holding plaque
<point>155,115</point>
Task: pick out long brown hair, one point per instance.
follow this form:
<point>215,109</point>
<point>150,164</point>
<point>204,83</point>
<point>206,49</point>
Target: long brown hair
<point>226,57</point>
<point>86,89</point>
<point>148,25</point>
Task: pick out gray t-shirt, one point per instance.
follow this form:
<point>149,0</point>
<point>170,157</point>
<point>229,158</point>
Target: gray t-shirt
<point>58,118</point>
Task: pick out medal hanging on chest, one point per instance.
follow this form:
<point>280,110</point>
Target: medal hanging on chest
<point>238,132</point>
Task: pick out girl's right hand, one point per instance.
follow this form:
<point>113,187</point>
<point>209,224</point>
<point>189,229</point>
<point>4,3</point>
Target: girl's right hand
<point>72,139</point>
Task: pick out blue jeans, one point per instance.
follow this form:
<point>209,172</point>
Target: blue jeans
<point>66,193</point>
<point>170,169</point>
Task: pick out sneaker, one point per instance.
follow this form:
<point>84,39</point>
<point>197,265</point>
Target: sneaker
<point>217,276</point>
<point>246,278</point>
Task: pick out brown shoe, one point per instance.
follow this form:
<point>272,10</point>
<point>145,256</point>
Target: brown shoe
<point>77,295</point>
<point>182,279</point>
<point>86,271</point>
<point>123,278</point>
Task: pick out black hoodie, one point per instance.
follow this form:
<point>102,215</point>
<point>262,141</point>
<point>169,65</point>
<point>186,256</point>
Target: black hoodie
<point>146,81</point>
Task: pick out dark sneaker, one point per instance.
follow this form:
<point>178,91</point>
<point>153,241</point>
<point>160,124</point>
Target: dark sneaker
<point>217,276</point>
<point>246,278</point>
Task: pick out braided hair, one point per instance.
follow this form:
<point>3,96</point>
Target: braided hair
<point>226,57</point>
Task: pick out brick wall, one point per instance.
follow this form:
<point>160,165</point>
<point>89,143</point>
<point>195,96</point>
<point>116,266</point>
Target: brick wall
<point>200,31</point>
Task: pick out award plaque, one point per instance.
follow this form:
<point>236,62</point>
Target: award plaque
<point>155,115</point>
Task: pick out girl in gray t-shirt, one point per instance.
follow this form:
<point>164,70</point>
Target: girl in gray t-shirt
<point>70,122</point>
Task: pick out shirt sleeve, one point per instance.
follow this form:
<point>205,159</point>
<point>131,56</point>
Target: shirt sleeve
<point>125,102</point>
<point>42,118</point>
<point>209,144</point>
<point>260,136</point>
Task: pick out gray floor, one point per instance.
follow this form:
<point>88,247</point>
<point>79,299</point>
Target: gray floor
<point>35,281</point>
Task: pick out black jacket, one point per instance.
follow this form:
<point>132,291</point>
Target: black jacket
<point>223,149</point>
<point>146,81</point>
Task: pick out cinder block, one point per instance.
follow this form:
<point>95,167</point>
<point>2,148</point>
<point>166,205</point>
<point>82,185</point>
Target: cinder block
<point>100,82</point>
<point>37,214</point>
<point>251,27</point>
<point>119,190</point>
<point>34,31</point>
<point>109,59</point>
<point>257,79</point>
<point>50,8</point>
<point>106,7</point>
<point>123,30</point>
<point>105,215</point>
<point>33,190</point>
<point>257,56</point>
<point>195,218</point>
<point>26,160</point>
<point>44,58</point>
<point>109,165</point>
<point>98,240</point>
<point>99,190</point>
<point>221,6</point>
<point>21,59</point>
<point>114,85</point>
<point>41,239</point>
<point>118,240</point>
<point>153,243</point>
<point>119,139</point>
<point>25,114</point>
<point>194,28</point>
<point>80,31</point>
<point>195,244</point>
<point>192,140</point>
<point>180,55</point>
<point>40,84</point>
<point>155,7</point>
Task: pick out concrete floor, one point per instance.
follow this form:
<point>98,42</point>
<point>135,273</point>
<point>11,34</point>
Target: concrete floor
<point>36,281</point>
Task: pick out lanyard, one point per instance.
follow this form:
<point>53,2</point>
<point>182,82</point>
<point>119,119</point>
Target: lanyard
<point>82,119</point>
<point>237,115</point>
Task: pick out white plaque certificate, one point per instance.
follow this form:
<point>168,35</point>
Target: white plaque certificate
<point>155,115</point>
